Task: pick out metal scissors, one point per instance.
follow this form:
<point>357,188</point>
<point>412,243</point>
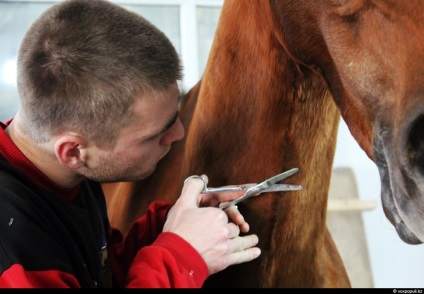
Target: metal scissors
<point>269,185</point>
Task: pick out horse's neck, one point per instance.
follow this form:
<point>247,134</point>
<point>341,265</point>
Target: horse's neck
<point>256,116</point>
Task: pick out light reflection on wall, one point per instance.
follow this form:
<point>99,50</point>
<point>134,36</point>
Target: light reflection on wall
<point>9,102</point>
<point>9,72</point>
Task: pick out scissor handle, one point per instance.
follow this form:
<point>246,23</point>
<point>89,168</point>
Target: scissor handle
<point>219,189</point>
<point>223,189</point>
<point>249,192</point>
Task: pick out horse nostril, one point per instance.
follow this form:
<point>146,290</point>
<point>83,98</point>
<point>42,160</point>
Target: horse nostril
<point>416,144</point>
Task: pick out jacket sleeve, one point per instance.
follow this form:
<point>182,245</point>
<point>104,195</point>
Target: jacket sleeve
<point>146,257</point>
<point>17,277</point>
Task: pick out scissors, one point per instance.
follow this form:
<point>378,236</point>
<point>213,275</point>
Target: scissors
<point>269,185</point>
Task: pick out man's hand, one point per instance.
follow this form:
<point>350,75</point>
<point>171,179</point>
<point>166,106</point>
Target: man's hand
<point>208,229</point>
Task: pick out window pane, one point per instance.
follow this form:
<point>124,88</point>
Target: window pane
<point>17,16</point>
<point>165,17</point>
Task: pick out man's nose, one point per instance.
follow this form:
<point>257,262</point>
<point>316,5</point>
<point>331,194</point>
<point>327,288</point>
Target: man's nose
<point>174,133</point>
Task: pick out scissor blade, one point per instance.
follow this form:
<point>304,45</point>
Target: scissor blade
<point>275,179</point>
<point>273,188</point>
<point>267,186</point>
<point>282,187</point>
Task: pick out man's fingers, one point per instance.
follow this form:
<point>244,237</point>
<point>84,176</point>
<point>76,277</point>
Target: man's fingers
<point>193,186</point>
<point>245,256</point>
<point>234,231</point>
<point>236,217</point>
<point>243,249</point>
<point>241,243</point>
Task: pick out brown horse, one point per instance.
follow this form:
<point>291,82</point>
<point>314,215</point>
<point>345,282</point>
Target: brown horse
<point>278,77</point>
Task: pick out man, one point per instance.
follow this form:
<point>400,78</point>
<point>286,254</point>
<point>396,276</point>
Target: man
<point>98,93</point>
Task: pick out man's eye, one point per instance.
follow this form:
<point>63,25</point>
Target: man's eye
<point>153,138</point>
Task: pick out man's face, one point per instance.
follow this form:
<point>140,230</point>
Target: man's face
<point>144,142</point>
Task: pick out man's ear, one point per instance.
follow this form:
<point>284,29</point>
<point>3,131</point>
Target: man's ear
<point>70,150</point>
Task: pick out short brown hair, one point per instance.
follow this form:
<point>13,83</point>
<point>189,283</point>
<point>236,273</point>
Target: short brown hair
<point>81,65</point>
